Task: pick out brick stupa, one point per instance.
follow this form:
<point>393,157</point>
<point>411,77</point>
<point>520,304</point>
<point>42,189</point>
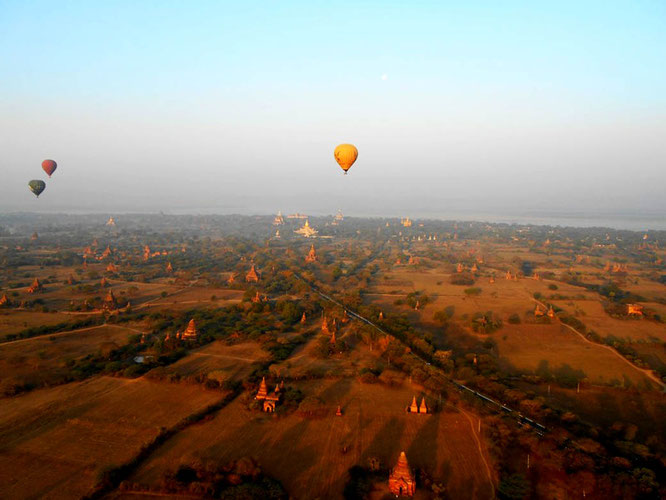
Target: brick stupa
<point>190,332</point>
<point>401,480</point>
<point>35,287</point>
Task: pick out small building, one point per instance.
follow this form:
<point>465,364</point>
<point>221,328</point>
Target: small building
<point>252,276</point>
<point>634,310</point>
<point>423,407</point>
<point>538,312</point>
<point>110,303</point>
<point>35,287</point>
<point>4,301</point>
<point>278,220</point>
<point>401,479</point>
<point>169,267</point>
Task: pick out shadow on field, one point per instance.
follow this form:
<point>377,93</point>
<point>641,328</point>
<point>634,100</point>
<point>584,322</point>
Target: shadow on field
<point>386,443</point>
<point>424,445</point>
<point>334,393</point>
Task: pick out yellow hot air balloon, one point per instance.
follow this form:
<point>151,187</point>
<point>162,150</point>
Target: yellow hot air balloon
<point>345,155</point>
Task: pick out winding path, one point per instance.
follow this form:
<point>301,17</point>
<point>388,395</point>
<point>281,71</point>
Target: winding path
<point>648,373</point>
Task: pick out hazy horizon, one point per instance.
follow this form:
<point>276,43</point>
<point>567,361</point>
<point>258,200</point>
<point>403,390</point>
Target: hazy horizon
<point>509,110</point>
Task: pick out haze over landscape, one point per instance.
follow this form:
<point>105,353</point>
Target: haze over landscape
<point>346,250</point>
<point>467,110</point>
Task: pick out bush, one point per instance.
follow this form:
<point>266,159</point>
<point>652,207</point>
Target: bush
<point>473,291</point>
<point>514,319</point>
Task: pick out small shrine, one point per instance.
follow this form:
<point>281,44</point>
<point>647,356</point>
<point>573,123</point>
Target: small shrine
<point>278,220</point>
<point>311,256</point>
<point>35,287</point>
<point>110,222</point>
<point>110,303</point>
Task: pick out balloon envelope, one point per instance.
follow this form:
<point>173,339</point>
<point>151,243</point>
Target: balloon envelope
<point>37,187</point>
<point>49,166</point>
<point>345,155</point>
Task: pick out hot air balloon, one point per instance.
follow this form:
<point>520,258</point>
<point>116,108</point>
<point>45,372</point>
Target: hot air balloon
<point>345,155</point>
<point>49,166</point>
<point>37,187</point>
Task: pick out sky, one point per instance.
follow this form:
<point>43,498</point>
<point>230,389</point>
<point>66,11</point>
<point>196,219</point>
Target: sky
<point>513,108</point>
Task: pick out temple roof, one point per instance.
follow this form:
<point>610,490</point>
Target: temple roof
<point>402,469</point>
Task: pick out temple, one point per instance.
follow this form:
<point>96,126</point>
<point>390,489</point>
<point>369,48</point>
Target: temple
<point>307,231</point>
<point>169,267</point>
<point>401,480</point>
<point>34,236</point>
<point>338,218</point>
<point>269,400</point>
<point>252,275</point>
<point>110,302</point>
<point>35,287</point>
<point>110,222</point>
<point>111,268</point>
<point>406,222</point>
<point>4,301</point>
<point>311,256</point>
<point>278,220</point>
<point>190,332</point>
<point>107,251</point>
<point>634,310</point>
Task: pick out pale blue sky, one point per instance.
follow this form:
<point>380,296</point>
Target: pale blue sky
<point>483,105</point>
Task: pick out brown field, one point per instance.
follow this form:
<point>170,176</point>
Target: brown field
<point>54,442</point>
<point>13,321</point>
<point>524,346</point>
<point>233,362</point>
<point>595,318</point>
<point>192,296</point>
<point>306,454</point>
<point>304,363</point>
<point>40,360</point>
